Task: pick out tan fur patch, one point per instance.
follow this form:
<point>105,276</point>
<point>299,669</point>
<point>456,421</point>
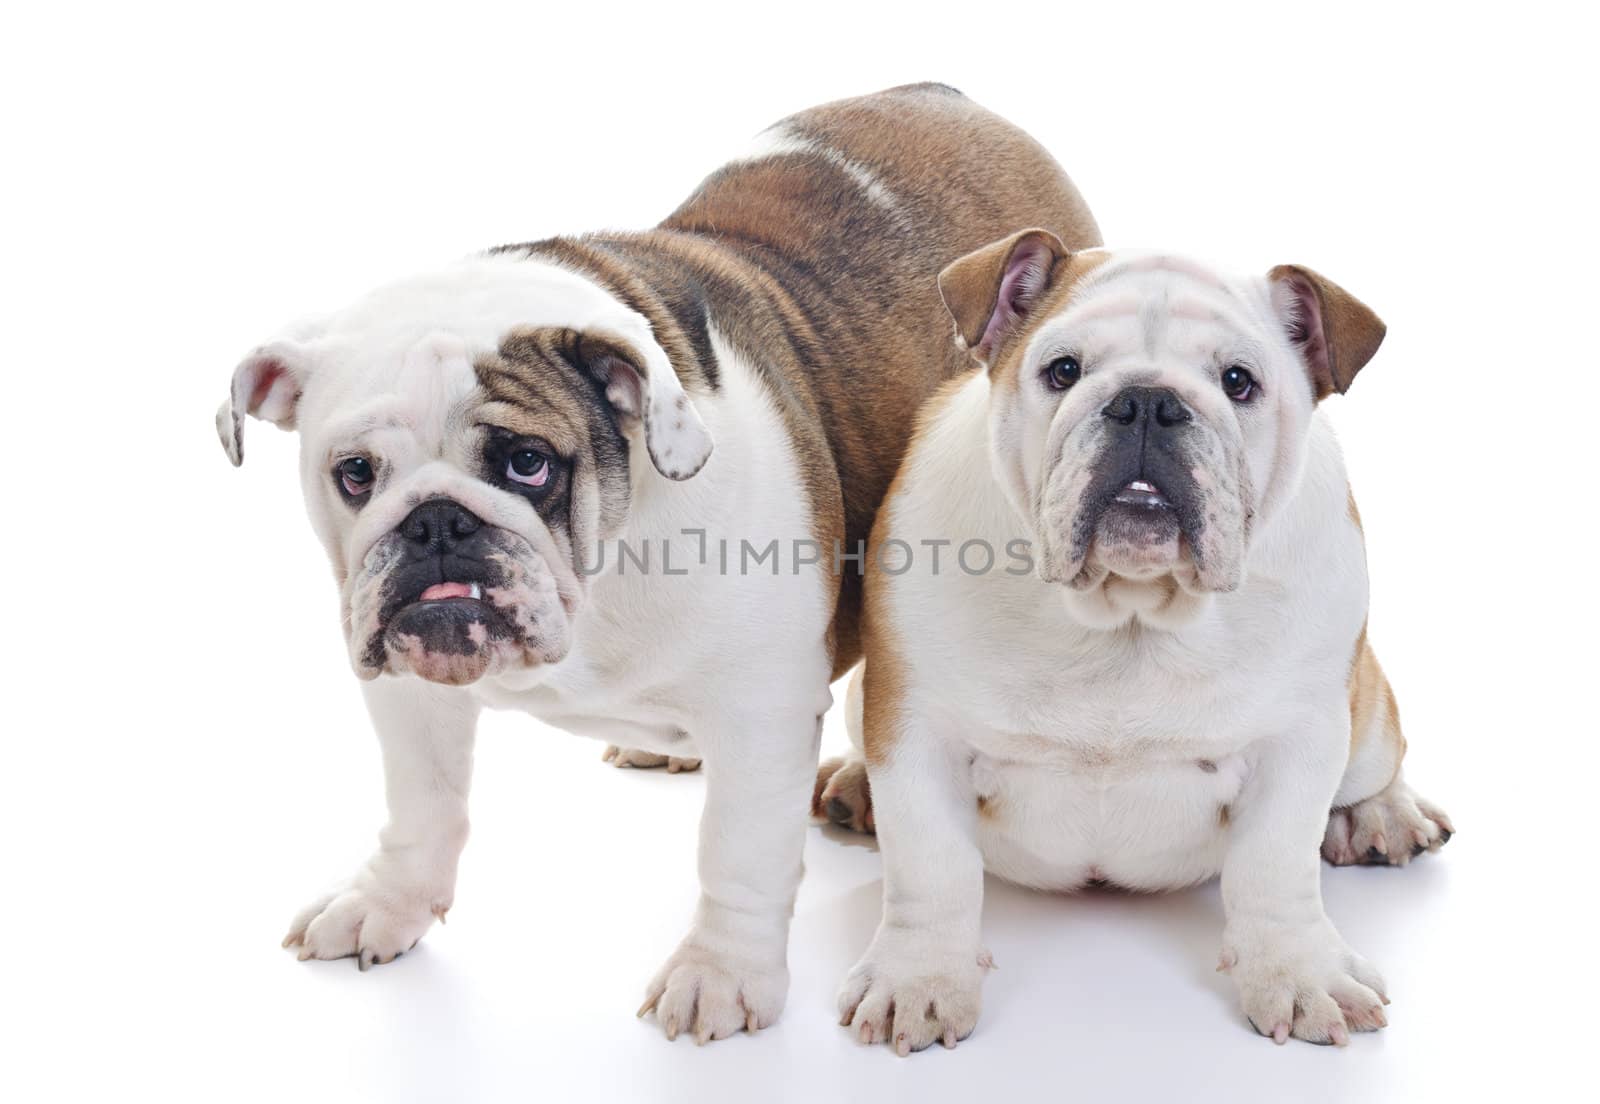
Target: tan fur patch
<point>883,678</point>
<point>1374,710</point>
<point>1350,331</point>
<point>1365,678</point>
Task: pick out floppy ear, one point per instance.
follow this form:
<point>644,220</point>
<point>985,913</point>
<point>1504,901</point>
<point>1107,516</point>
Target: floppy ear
<point>640,382</point>
<point>989,292</point>
<point>1335,332</point>
<point>266,385</point>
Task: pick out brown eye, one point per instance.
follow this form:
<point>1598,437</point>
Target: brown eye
<point>1062,372</point>
<point>355,475</point>
<point>1237,383</point>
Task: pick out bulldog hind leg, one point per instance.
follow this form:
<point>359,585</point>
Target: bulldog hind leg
<point>842,793</point>
<point>646,760</point>
<point>1377,819</point>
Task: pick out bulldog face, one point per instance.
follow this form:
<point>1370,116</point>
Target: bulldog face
<point>463,437</point>
<point>1146,413</point>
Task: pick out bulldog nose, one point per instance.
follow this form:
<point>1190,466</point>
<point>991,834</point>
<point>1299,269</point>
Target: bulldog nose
<point>439,524</point>
<point>1144,404</point>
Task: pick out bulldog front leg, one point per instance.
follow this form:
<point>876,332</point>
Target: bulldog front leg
<point>1295,974</point>
<point>426,732</point>
<point>731,970</point>
<point>919,982</point>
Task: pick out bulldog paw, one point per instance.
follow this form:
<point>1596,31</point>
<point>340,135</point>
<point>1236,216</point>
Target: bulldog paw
<point>842,794</point>
<point>1305,984</point>
<point>912,1000</point>
<point>372,919</point>
<point>1388,829</point>
<point>711,996</point>
<point>646,760</point>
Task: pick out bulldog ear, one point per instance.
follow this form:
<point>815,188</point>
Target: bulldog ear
<point>990,291</point>
<point>640,382</point>
<point>266,385</point>
<point>1335,332</point>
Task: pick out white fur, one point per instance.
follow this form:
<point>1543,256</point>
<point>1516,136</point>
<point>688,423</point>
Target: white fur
<point>1105,740</point>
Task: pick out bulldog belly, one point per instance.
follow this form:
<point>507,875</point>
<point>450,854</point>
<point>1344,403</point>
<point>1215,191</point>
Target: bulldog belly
<point>1151,827</point>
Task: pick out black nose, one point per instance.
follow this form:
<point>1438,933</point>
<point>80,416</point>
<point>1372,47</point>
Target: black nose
<point>1133,405</point>
<point>439,524</point>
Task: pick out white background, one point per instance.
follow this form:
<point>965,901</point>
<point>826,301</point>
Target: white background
<point>186,760</point>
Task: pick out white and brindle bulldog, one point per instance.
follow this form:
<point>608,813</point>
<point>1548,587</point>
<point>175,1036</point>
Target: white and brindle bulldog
<point>469,438</point>
<point>1142,660</point>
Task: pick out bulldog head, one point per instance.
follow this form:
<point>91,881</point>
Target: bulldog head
<point>1147,414</point>
<point>464,436</point>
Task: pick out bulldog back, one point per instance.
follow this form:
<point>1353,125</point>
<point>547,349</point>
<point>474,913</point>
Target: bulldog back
<point>817,253</point>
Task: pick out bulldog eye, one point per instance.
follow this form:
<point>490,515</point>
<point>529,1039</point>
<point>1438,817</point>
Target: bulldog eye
<point>1237,383</point>
<point>528,467</point>
<point>355,475</point>
<point>1062,373</point>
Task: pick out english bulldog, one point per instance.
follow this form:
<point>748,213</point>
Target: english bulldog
<point>537,474</point>
<point>1143,659</point>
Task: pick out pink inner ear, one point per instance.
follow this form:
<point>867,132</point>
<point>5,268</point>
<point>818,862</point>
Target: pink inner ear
<point>624,388</point>
<point>1027,271</point>
<point>271,389</point>
<point>1306,331</point>
<point>267,374</point>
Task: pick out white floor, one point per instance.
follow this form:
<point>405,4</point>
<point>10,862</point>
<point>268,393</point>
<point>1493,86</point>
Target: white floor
<point>579,880</point>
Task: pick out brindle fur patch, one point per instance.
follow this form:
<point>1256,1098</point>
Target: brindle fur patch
<point>827,287</point>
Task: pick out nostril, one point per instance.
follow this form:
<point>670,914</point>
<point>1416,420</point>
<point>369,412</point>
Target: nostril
<point>463,524</point>
<point>1124,409</point>
<point>415,530</point>
<point>1171,412</point>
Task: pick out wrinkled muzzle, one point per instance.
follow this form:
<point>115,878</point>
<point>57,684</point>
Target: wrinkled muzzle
<point>451,598</point>
<point>1145,491</point>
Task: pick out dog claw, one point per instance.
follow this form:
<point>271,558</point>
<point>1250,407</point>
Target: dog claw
<point>1280,1034</point>
<point>647,1007</point>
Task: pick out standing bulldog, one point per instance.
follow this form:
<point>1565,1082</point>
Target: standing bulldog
<point>1142,660</point>
<point>539,475</point>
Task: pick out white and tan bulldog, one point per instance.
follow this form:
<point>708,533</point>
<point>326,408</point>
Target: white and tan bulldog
<point>1142,659</point>
<point>604,480</point>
